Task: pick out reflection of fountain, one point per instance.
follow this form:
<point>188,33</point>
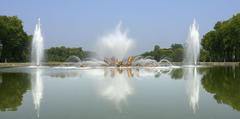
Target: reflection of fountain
<point>193,86</point>
<point>114,84</point>
<point>37,89</point>
<point>117,90</point>
<point>116,44</point>
<point>37,46</point>
<point>192,50</point>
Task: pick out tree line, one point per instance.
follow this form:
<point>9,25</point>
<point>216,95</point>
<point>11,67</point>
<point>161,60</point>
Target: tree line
<point>223,42</point>
<point>61,54</point>
<point>174,53</point>
<point>218,45</point>
<point>15,44</point>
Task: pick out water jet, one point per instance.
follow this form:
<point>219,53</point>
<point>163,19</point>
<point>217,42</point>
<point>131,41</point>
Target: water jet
<point>37,52</point>
<point>192,46</point>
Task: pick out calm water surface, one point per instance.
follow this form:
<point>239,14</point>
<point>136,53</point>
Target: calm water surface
<point>113,93</point>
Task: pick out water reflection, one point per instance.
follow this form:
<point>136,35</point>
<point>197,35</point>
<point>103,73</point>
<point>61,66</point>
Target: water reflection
<point>224,84</point>
<point>64,73</point>
<point>0,79</point>
<point>12,88</point>
<point>177,73</point>
<point>192,78</point>
<point>116,85</point>
<point>117,88</point>
<point>37,89</point>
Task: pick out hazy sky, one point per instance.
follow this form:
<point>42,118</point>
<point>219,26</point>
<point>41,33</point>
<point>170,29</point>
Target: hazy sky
<point>81,22</point>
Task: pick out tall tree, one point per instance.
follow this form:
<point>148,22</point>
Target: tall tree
<point>14,40</point>
<point>223,42</point>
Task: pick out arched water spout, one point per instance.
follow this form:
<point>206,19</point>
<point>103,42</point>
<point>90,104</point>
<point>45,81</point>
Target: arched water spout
<point>165,62</point>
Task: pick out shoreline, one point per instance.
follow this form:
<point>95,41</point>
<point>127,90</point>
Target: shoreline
<point>6,65</point>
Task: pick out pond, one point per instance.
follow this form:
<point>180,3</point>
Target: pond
<point>120,93</point>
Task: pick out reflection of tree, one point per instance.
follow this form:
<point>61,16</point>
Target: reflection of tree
<point>177,73</point>
<point>65,74</point>
<point>12,88</point>
<point>224,83</point>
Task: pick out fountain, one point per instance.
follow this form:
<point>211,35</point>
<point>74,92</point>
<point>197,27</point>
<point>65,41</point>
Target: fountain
<point>114,46</point>
<point>192,52</point>
<point>36,59</point>
<point>192,48</point>
<point>37,46</point>
<point>112,50</point>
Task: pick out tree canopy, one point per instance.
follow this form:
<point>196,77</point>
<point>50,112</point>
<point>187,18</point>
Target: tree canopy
<point>14,40</point>
<point>175,53</point>
<point>62,53</point>
<point>223,42</point>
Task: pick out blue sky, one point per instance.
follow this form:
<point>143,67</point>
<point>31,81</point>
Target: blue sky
<point>76,23</point>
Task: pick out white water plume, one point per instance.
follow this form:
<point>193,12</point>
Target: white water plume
<point>37,46</point>
<point>192,48</point>
<point>116,44</point>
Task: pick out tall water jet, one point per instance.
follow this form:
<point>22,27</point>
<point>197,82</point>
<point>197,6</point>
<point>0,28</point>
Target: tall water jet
<point>37,46</point>
<point>192,48</point>
<point>114,45</point>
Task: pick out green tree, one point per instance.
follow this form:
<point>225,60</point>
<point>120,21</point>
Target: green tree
<point>14,40</point>
<point>156,48</point>
<point>62,53</point>
<point>175,53</point>
<point>177,46</point>
<point>223,42</point>
<point>178,52</point>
